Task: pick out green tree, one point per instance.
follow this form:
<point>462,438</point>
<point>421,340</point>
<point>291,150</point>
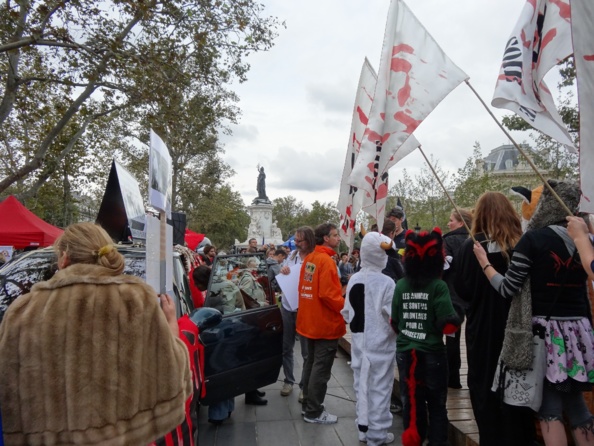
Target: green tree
<point>221,215</point>
<point>432,207</point>
<point>66,65</point>
<point>321,213</point>
<point>471,180</point>
<point>288,212</point>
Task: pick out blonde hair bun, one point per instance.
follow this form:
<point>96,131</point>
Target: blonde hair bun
<point>89,243</point>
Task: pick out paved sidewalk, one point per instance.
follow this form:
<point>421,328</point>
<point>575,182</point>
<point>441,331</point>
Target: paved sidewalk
<point>280,422</point>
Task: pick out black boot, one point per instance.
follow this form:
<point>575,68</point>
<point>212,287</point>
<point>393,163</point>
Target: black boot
<point>260,393</point>
<point>254,399</point>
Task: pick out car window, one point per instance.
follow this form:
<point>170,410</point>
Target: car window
<point>249,272</point>
<point>18,276</point>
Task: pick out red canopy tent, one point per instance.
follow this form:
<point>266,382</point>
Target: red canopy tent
<point>21,228</point>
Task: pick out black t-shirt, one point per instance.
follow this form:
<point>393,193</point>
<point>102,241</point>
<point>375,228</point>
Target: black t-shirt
<point>399,241</point>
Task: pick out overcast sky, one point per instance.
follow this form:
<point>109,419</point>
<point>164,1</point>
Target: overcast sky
<point>298,100</point>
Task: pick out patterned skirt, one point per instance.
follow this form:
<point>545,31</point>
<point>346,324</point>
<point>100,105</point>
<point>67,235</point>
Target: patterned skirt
<point>569,345</point>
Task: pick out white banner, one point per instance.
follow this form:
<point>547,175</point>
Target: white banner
<point>350,198</point>
<point>375,204</point>
<point>414,76</point>
<point>582,17</point>
<point>539,41</point>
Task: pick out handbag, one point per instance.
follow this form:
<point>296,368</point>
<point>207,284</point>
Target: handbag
<point>523,387</point>
<point>518,338</point>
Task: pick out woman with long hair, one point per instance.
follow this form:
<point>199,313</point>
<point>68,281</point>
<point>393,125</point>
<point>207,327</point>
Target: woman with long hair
<point>89,356</point>
<point>546,256</point>
<point>497,227</point>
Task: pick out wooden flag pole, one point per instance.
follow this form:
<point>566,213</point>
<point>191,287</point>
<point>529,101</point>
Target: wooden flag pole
<point>446,192</point>
<point>516,145</point>
<point>163,252</point>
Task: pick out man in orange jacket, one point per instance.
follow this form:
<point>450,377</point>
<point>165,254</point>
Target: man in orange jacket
<point>319,321</point>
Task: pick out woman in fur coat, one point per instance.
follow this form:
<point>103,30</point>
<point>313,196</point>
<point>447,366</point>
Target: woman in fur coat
<point>89,356</point>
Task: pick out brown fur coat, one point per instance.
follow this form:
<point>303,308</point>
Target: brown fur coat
<point>88,358</point>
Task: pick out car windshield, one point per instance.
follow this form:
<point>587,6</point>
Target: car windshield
<point>248,271</point>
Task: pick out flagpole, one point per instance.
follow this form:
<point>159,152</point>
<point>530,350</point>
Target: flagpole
<point>517,146</point>
<point>447,193</point>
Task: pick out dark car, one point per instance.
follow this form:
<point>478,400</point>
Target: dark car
<point>243,350</point>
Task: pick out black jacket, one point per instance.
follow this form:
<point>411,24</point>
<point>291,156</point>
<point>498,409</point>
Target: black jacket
<point>452,242</point>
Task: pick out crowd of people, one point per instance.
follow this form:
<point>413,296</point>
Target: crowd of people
<point>403,295</point>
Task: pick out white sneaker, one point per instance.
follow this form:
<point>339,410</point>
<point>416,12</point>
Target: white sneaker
<point>300,399</point>
<point>389,438</point>
<point>287,389</point>
<point>324,418</point>
<point>303,412</point>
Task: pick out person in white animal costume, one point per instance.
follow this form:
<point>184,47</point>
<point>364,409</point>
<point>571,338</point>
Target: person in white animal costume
<point>367,309</point>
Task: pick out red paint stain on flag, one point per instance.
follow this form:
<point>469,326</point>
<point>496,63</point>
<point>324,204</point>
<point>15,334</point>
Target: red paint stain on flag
<point>589,58</point>
<point>402,48</point>
<point>362,117</point>
<point>374,136</point>
<point>410,123</point>
<point>564,9</point>
<point>549,36</point>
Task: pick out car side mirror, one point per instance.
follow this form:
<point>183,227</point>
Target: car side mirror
<point>205,318</point>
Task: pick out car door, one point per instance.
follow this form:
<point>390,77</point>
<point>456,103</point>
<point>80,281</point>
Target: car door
<point>244,351</point>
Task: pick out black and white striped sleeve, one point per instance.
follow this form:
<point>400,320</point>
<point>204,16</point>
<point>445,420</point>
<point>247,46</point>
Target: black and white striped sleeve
<point>509,285</point>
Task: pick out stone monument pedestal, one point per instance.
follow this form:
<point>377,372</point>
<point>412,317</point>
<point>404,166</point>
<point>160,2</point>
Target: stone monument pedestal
<point>262,227</point>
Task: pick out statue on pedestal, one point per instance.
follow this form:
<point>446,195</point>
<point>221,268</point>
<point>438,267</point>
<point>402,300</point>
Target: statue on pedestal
<point>261,188</point>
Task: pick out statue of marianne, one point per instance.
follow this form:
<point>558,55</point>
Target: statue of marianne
<point>261,185</point>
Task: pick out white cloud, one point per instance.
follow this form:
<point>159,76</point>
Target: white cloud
<point>297,103</point>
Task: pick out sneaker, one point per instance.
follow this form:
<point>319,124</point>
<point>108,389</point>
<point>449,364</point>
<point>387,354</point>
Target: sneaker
<point>300,399</point>
<point>389,438</point>
<point>303,411</point>
<point>324,418</point>
<point>287,389</point>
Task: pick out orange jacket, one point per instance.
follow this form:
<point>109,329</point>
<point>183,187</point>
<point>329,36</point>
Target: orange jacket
<point>320,297</point>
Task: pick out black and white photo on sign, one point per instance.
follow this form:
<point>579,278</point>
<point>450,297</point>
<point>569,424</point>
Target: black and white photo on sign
<point>133,203</point>
<point>159,174</point>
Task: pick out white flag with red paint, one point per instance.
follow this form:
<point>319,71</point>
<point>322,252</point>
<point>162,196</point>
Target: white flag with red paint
<point>350,199</point>
<point>414,76</point>
<point>374,203</point>
<point>582,18</point>
<point>540,40</point>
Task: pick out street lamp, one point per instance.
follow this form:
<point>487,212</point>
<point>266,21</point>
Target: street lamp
<point>417,228</point>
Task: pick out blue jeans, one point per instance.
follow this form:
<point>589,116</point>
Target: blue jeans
<point>289,333</point>
<point>221,410</point>
<point>430,394</point>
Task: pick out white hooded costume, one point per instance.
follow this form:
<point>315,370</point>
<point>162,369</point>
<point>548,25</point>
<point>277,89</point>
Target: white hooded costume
<point>367,309</point>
